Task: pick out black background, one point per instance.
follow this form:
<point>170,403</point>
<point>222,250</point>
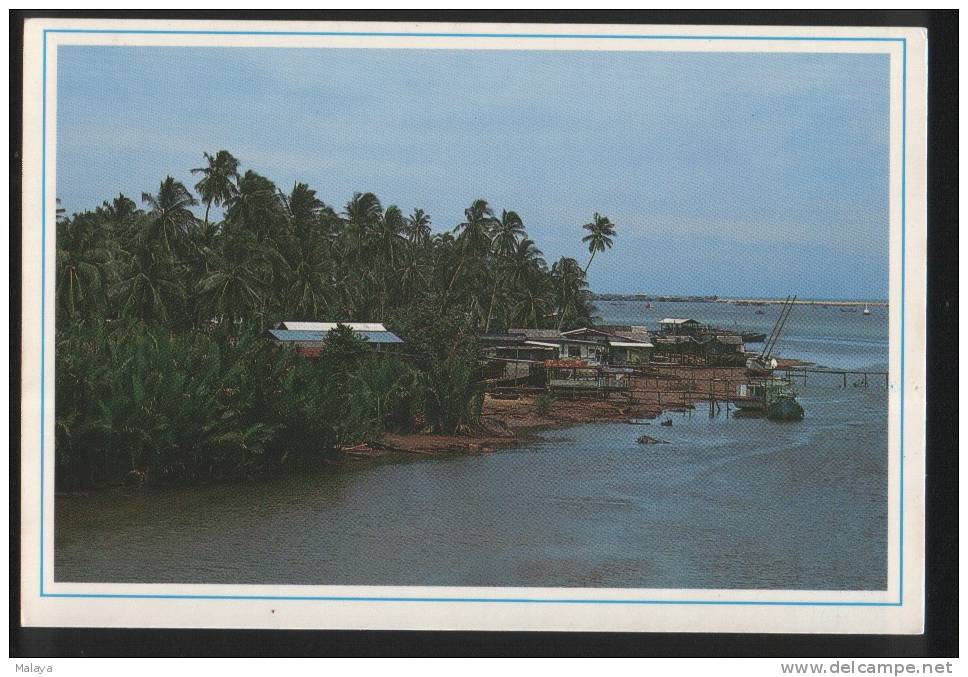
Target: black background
<point>941,621</point>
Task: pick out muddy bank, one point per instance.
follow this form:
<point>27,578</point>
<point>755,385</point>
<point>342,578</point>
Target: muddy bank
<point>511,422</point>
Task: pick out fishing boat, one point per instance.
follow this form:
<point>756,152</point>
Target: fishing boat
<point>763,364</point>
<point>748,336</point>
<point>772,397</point>
<point>760,366</point>
<point>867,310</point>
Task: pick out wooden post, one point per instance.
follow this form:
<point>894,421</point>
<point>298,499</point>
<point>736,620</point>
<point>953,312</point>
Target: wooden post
<point>845,379</point>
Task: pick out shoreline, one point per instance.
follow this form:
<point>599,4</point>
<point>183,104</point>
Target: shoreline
<point>508,423</point>
<point>841,303</point>
<point>511,423</point>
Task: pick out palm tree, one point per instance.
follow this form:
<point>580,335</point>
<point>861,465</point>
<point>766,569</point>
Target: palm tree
<point>418,227</point>
<point>570,290</point>
<point>255,206</point>
<point>236,288</point>
<point>84,264</point>
<point>532,298</point>
<point>599,238</point>
<point>389,239</point>
<point>389,234</point>
<point>474,235</point>
<point>302,205</point>
<point>525,264</point>
<point>219,178</point>
<point>170,219</point>
<point>119,210</point>
<point>149,289</point>
<point>362,213</point>
<point>505,235</point>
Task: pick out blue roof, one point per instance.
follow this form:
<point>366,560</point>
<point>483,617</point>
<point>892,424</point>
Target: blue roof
<point>320,336</point>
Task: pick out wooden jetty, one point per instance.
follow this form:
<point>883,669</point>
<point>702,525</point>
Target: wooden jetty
<point>795,372</point>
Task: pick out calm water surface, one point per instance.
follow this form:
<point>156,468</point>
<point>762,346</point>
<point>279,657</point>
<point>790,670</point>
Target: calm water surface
<point>733,503</point>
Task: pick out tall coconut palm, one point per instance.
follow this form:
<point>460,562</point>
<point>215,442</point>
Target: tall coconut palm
<point>237,286</point>
<point>84,264</point>
<point>599,238</point>
<point>505,235</point>
<point>389,235</point>
<point>362,213</point>
<point>417,232</point>
<point>149,288</point>
<point>389,242</point>
<point>474,235</point>
<point>302,206</point>
<point>570,291</point>
<point>255,206</point>
<point>170,218</point>
<point>525,263</point>
<point>219,178</point>
<point>307,273</point>
<point>119,210</point>
<point>533,305</point>
<point>418,227</point>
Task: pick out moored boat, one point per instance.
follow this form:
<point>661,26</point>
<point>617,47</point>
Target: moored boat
<point>774,398</point>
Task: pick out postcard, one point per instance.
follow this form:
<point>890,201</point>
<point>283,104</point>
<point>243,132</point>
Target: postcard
<point>473,326</point>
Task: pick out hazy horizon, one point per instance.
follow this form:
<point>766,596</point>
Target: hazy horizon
<point>743,175</point>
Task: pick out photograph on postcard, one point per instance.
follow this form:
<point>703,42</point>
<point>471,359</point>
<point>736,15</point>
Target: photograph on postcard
<point>570,319</point>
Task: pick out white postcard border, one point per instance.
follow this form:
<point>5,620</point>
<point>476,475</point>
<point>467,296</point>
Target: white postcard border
<point>899,609</point>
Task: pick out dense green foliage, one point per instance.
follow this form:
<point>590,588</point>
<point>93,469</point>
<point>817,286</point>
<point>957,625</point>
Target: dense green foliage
<point>163,366</point>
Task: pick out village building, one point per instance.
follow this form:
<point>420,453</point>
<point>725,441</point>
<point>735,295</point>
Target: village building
<point>309,337</point>
<point>594,360</point>
<point>628,345</point>
<point>687,341</point>
<point>681,326</point>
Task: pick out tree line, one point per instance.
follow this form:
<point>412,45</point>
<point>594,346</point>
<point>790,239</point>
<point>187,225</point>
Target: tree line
<point>163,368</point>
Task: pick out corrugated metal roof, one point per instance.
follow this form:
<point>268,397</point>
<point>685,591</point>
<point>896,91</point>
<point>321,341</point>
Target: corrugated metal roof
<point>328,326</point>
<point>537,333</point>
<point>542,345</point>
<point>302,336</point>
<point>631,344</point>
<point>676,320</point>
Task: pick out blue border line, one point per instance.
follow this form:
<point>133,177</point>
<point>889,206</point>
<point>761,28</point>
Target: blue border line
<point>903,287</point>
<point>556,36</point>
<point>519,600</point>
<point>43,289</point>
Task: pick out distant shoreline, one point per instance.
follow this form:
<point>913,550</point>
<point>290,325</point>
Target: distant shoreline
<point>650,298</point>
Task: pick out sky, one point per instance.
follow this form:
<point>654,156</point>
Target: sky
<point>729,174</point>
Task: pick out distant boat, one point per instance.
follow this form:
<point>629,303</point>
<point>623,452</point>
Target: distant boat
<point>867,310</point>
<point>760,312</point>
<point>648,306</point>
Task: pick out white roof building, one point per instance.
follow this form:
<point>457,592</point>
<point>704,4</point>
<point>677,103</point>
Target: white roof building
<point>329,326</point>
